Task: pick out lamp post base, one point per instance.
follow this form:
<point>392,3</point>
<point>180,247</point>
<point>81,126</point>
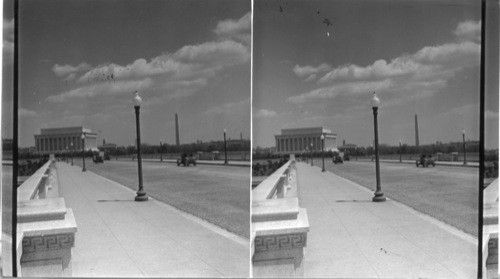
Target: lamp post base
<point>141,196</point>
<point>84,170</point>
<point>379,197</point>
<point>323,170</point>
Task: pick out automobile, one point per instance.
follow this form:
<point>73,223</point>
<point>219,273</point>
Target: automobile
<point>337,159</point>
<point>106,156</point>
<point>346,157</point>
<point>98,157</point>
<point>425,161</point>
<point>186,160</point>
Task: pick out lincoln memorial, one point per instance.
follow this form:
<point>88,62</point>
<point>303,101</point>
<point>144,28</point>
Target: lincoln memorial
<point>295,141</point>
<point>55,140</point>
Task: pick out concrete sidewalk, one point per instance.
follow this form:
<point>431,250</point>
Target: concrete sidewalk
<point>118,237</point>
<point>352,237</point>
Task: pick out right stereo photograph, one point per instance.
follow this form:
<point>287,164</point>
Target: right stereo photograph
<point>375,139</point>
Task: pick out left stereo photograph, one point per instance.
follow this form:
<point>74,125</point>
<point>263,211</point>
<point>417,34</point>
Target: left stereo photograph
<point>126,138</point>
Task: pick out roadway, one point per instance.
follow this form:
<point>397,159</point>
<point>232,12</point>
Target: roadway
<point>217,194</point>
<point>447,193</point>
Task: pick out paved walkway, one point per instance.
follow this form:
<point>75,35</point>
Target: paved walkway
<point>352,237</point>
<point>118,237</point>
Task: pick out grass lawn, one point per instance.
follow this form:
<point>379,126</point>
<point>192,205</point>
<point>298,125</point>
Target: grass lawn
<point>449,194</point>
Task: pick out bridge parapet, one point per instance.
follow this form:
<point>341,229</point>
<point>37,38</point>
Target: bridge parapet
<point>46,227</point>
<point>279,226</point>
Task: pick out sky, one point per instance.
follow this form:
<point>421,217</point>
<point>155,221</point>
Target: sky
<point>81,61</point>
<point>317,63</point>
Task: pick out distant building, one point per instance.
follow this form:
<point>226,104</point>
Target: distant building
<point>55,140</point>
<point>295,141</point>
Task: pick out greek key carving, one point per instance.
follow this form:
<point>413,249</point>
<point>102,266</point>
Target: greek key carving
<point>276,242</point>
<point>48,242</point>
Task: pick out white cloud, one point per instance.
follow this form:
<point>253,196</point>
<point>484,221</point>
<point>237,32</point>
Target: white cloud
<point>468,31</point>
<point>190,61</point>
<point>62,70</point>
<point>101,89</point>
<point>175,75</point>
<point>309,72</point>
<point>26,113</point>
<point>409,76</point>
<point>332,92</point>
<point>8,52</point>
<point>491,115</point>
<point>8,44</point>
<point>264,113</point>
<point>235,29</point>
<point>8,29</point>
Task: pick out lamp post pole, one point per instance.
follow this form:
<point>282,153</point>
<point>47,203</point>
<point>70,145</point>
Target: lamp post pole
<point>323,152</point>
<point>225,148</point>
<point>311,154</point>
<point>141,194</point>
<point>379,195</point>
<point>83,151</point>
<point>465,156</point>
<point>161,155</point>
<point>400,153</point>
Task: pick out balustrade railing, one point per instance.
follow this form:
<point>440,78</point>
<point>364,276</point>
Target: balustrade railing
<point>279,226</point>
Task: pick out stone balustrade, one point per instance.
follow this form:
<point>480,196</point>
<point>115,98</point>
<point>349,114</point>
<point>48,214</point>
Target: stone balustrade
<point>490,231</point>
<point>46,227</point>
<point>279,226</point>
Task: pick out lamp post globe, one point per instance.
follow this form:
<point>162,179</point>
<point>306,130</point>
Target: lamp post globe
<point>311,154</point>
<point>137,101</point>
<point>379,195</point>
<point>83,151</point>
<point>463,139</point>
<point>225,148</point>
<point>323,152</point>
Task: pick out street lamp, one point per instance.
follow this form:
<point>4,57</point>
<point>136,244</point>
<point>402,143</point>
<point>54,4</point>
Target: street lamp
<point>72,150</point>
<point>225,148</point>
<point>400,152</point>
<point>161,155</point>
<point>323,152</point>
<point>379,195</point>
<point>83,151</point>
<point>463,137</point>
<point>311,153</point>
<point>141,194</point>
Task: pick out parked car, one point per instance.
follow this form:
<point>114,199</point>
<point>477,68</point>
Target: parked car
<point>98,157</point>
<point>425,161</point>
<point>186,160</point>
<point>337,159</point>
